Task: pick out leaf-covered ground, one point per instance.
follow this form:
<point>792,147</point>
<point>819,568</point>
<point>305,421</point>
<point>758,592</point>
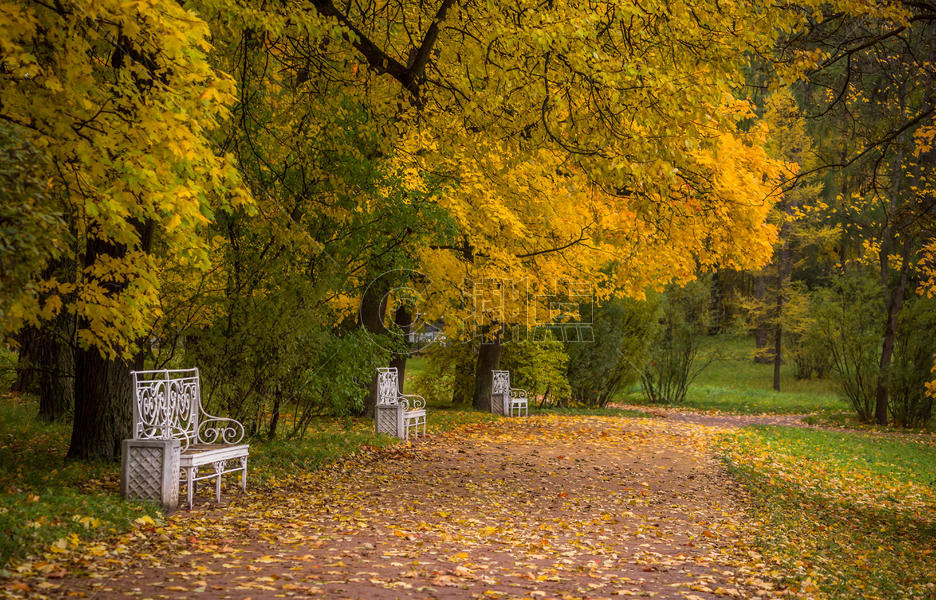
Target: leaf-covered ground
<point>544,507</point>
<point>847,514</point>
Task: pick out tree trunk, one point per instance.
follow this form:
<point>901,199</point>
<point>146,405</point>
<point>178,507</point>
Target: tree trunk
<point>103,395</point>
<point>894,304</point>
<point>488,360</point>
<point>27,363</point>
<point>717,305</point>
<point>761,328</point>
<point>778,343</point>
<point>103,392</point>
<point>403,319</point>
<point>372,313</point>
<point>784,259</point>
<point>275,417</point>
<point>56,377</point>
<point>893,298</point>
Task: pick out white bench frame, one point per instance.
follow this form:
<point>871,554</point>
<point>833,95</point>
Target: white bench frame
<point>396,413</point>
<point>167,405</point>
<point>505,400</point>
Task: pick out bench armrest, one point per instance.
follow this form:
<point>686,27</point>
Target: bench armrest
<point>518,393</point>
<point>412,401</point>
<point>218,430</point>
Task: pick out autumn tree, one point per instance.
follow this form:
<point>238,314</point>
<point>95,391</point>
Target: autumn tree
<point>871,96</point>
<point>118,98</point>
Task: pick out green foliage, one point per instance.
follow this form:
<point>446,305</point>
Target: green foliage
<point>47,498</point>
<point>539,367</point>
<point>846,514</point>
<point>296,375</point>
<point>847,320</point>
<point>438,376</point>
<point>803,343</point>
<point>598,370</point>
<point>31,225</point>
<point>908,402</point>
<point>682,321</point>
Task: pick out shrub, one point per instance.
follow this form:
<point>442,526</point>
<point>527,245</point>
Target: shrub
<point>848,323</point>
<point>613,360</point>
<point>681,323</point>
<point>539,367</point>
<point>803,341</point>
<point>909,404</point>
<point>447,365</point>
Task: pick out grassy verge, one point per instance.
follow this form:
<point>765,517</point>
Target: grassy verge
<point>49,503</point>
<point>851,514</point>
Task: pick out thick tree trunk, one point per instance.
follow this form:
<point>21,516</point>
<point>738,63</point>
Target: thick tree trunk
<point>488,360</point>
<point>275,416</point>
<point>102,405</point>
<point>103,393</point>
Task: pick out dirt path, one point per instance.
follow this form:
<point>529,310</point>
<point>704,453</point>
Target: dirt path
<point>544,507</point>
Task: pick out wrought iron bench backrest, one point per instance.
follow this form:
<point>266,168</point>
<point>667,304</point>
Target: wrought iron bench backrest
<point>388,386</point>
<point>167,405</point>
<point>501,383</point>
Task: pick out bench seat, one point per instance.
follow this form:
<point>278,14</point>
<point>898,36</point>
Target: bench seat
<point>216,456</point>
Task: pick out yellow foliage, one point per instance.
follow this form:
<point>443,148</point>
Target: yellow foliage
<point>121,100</point>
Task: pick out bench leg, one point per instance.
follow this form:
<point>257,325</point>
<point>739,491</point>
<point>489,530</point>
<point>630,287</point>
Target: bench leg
<point>243,461</point>
<point>189,484</point>
<point>219,468</point>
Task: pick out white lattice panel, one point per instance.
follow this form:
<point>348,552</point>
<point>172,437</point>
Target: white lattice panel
<point>388,419</point>
<point>144,473</point>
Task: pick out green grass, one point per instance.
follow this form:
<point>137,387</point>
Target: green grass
<point>735,383</point>
<point>852,514</point>
<point>46,498</point>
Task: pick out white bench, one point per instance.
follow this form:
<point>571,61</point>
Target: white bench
<point>396,414</point>
<point>506,400</point>
<point>167,405</point>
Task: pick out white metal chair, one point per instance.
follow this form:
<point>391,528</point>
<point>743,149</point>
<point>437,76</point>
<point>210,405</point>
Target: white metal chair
<point>506,400</point>
<point>397,414</point>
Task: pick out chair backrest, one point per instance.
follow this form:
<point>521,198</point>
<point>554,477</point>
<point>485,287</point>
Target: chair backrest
<point>388,387</point>
<point>501,383</point>
<point>166,404</point>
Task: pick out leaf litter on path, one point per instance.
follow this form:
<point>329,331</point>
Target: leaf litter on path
<point>543,507</point>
